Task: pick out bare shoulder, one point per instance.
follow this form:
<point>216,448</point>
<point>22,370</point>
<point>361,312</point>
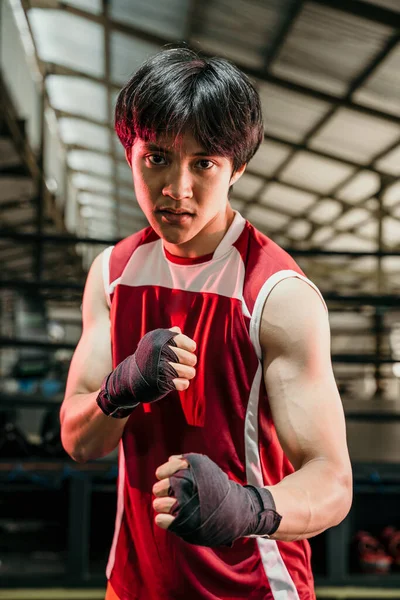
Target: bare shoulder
<point>94,297</point>
<point>91,361</point>
<point>293,312</point>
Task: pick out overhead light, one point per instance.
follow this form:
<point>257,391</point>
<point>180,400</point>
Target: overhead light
<point>52,185</point>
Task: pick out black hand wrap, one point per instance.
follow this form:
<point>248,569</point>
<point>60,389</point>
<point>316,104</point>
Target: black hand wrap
<point>212,510</point>
<point>145,376</point>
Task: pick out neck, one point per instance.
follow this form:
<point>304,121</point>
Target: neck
<point>207,240</point>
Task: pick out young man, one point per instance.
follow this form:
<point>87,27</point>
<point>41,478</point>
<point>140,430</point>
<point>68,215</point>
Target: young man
<point>205,355</point>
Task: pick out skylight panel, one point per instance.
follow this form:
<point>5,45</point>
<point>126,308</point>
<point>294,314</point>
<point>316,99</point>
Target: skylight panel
<point>82,181</point>
<point>82,160</point>
<point>382,88</point>
<point>248,186</point>
<point>126,192</point>
<point>237,204</point>
<point>391,231</point>
<point>391,265</point>
<point>239,30</point>
<point>118,148</point>
<point>127,55</point>
<point>391,196</point>
<point>66,39</point>
<point>92,199</point>
<point>83,133</point>
<point>320,236</point>
<point>365,265</point>
<point>289,114</point>
<point>396,212</point>
<point>390,163</point>
<point>315,173</point>
<point>355,136</point>
<point>292,201</point>
<point>269,157</point>
<point>124,173</point>
<point>299,229</point>
<point>268,219</point>
<point>78,96</point>
<point>352,217</point>
<point>325,211</point>
<point>167,19</point>
<point>363,185</point>
<point>339,45</point>
<point>369,229</point>
<point>346,241</point>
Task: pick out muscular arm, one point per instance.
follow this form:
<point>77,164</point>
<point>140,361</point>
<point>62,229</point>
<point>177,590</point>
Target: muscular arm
<point>86,432</point>
<point>306,410</point>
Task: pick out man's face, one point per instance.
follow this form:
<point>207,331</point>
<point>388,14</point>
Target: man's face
<point>182,190</point>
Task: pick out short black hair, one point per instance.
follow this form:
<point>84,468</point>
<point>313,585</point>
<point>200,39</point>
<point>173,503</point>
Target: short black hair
<point>177,91</point>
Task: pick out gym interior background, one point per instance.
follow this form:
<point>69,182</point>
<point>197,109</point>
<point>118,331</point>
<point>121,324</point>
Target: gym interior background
<point>324,185</point>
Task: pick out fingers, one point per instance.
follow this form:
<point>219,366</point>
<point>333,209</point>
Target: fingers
<point>164,521</point>
<point>183,371</point>
<point>164,505</point>
<point>183,341</point>
<point>184,357</point>
<point>160,489</point>
<point>174,464</point>
<point>181,384</point>
<point>185,368</point>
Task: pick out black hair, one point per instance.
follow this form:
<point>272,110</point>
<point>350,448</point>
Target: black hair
<point>177,91</point>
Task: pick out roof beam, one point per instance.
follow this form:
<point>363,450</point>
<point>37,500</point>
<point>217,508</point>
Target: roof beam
<point>161,41</point>
<point>288,21</point>
<point>365,10</point>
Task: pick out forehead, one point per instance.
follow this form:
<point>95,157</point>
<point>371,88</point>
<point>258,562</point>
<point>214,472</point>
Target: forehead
<point>182,144</point>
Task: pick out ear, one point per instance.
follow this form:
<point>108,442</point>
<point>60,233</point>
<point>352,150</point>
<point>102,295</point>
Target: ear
<point>128,155</point>
<point>237,174</point>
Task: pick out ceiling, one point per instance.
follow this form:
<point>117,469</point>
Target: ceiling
<point>327,176</point>
<point>328,74</point>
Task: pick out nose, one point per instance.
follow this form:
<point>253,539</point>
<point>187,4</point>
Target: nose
<point>179,183</point>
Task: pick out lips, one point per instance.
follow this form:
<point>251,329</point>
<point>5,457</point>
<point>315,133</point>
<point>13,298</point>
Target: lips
<point>174,212</point>
<point>175,217</point>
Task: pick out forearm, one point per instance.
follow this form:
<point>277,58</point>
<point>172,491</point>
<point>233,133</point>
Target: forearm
<point>86,432</point>
<point>312,499</point>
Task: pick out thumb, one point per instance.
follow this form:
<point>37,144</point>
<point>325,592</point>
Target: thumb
<point>175,328</point>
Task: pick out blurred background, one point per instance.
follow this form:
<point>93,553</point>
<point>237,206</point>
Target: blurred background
<point>325,185</point>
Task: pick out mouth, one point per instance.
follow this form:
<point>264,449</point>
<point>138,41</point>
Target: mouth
<point>174,217</point>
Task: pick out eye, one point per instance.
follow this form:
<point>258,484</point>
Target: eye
<point>156,159</point>
<point>205,164</point>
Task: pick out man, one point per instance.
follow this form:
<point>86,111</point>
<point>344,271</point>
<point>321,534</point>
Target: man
<point>215,376</point>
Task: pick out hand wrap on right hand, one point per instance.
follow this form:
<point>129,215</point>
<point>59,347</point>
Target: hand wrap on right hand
<point>145,376</point>
<point>212,510</point>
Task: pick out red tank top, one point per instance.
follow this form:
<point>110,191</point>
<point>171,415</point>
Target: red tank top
<point>217,300</point>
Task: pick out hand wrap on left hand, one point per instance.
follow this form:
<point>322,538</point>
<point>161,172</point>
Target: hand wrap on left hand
<point>212,510</point>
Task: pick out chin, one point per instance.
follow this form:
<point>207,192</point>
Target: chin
<point>174,237</point>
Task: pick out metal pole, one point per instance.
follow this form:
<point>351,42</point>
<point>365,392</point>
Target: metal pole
<point>41,190</point>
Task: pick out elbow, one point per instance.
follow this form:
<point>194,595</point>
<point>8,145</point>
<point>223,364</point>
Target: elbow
<point>75,451</point>
<point>344,494</point>
<point>83,453</point>
<point>78,457</point>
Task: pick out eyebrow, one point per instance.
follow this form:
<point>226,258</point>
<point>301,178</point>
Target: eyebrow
<point>158,148</point>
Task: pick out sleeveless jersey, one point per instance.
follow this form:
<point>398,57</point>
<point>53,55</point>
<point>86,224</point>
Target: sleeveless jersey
<point>217,300</point>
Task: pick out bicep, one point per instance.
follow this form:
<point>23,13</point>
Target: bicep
<point>303,396</point>
<point>92,361</point>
